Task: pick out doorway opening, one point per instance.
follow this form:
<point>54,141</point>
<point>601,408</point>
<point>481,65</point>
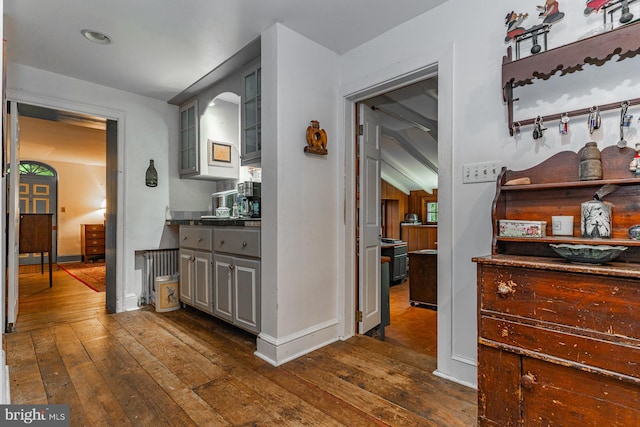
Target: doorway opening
<point>406,118</point>
<point>82,149</point>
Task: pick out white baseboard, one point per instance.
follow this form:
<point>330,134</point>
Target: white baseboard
<point>454,379</point>
<point>278,351</point>
<point>131,302</point>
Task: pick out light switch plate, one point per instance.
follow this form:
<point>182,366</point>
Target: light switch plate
<point>480,172</point>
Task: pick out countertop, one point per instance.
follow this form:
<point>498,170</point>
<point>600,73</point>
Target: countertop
<point>218,222</point>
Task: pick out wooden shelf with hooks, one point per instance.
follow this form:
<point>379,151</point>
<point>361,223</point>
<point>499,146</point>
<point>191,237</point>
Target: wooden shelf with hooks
<point>597,50</point>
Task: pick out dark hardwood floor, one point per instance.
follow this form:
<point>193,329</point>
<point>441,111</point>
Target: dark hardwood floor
<point>187,368</point>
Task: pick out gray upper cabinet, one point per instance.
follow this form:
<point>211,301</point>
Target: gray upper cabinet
<point>251,117</point>
<point>189,146</point>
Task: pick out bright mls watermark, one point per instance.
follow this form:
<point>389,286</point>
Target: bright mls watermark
<point>34,415</point>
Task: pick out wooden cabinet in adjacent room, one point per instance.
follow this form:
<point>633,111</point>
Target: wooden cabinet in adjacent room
<point>92,241</point>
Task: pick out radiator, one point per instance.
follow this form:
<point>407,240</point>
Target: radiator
<point>157,262</point>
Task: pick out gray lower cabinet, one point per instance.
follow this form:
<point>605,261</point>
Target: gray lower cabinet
<point>236,281</point>
<point>236,289</point>
<point>196,260</point>
<point>220,273</point>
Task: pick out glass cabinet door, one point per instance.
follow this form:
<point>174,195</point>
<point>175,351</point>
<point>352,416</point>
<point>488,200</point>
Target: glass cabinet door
<point>251,117</point>
<point>189,153</point>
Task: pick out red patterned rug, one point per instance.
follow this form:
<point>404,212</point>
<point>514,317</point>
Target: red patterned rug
<point>92,275</point>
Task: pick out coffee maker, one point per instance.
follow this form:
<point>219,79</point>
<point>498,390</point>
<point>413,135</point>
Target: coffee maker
<point>249,199</point>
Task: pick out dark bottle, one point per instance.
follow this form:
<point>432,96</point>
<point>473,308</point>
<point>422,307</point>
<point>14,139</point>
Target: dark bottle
<point>151,178</point>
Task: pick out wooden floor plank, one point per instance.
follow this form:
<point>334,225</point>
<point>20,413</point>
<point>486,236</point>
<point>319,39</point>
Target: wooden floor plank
<point>24,372</point>
<point>56,379</point>
<point>188,368</point>
<point>139,395</point>
<point>197,409</point>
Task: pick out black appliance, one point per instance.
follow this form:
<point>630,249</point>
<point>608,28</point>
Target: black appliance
<point>397,251</point>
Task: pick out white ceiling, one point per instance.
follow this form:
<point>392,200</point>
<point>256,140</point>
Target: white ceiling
<point>161,47</point>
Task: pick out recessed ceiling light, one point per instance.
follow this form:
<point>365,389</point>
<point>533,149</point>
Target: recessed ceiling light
<point>96,36</point>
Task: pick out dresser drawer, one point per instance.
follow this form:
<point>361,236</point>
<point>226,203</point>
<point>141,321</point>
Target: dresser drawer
<point>593,302</point>
<point>237,241</point>
<point>196,237</point>
<point>94,250</point>
<point>575,349</point>
<point>94,242</point>
<point>94,228</point>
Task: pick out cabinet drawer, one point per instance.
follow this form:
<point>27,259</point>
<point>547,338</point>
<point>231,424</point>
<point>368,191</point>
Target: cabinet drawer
<point>237,241</point>
<point>604,304</point>
<point>196,237</point>
<point>576,350</point>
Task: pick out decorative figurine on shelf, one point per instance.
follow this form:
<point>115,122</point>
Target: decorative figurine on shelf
<point>595,6</point>
<point>513,21</point>
<point>634,166</point>
<point>550,12</point>
<point>316,139</point>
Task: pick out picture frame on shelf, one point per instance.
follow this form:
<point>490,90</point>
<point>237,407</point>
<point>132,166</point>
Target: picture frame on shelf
<point>218,152</point>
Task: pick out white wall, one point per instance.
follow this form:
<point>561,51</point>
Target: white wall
<point>300,195</point>
<point>473,31</point>
<point>220,123</point>
<point>146,127</point>
<point>81,190</point>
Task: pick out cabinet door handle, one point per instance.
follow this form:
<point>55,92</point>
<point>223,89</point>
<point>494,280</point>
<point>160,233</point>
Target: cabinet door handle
<point>506,289</point>
<point>231,266</point>
<point>244,244</point>
<point>528,381</point>
<point>221,242</point>
<point>200,239</point>
<point>184,238</point>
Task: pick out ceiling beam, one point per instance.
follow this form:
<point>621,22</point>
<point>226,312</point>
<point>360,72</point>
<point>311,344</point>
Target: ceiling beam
<point>408,147</point>
<point>408,114</point>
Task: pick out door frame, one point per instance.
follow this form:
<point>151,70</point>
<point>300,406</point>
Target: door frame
<point>22,97</point>
<point>443,66</point>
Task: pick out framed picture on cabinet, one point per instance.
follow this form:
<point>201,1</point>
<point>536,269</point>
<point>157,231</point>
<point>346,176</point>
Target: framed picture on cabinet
<point>219,152</point>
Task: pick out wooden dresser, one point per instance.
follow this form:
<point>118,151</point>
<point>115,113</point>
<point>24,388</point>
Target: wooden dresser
<point>559,342</point>
<point>92,241</point>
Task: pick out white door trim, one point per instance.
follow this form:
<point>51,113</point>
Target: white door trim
<point>445,70</point>
<point>25,97</point>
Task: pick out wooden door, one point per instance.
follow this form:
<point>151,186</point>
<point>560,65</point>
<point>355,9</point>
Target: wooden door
<point>38,194</point>
<point>369,294</point>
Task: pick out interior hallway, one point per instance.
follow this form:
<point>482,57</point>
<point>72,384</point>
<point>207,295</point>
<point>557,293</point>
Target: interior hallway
<point>187,368</point>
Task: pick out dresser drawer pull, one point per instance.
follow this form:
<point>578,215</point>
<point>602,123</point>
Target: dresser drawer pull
<point>506,289</point>
<point>528,381</point>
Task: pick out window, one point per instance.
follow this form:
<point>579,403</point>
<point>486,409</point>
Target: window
<point>432,211</point>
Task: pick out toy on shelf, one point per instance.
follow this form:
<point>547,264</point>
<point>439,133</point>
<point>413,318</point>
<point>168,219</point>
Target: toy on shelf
<point>550,14</point>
